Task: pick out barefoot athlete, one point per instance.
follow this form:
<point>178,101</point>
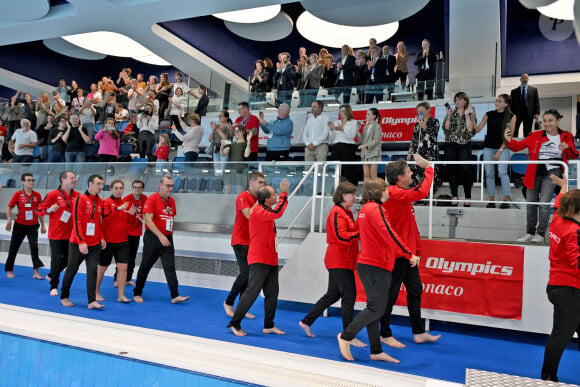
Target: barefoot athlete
<point>86,241</point>
<point>263,259</point>
<point>159,213</point>
<point>57,205</point>
<point>379,247</point>
<point>245,202</point>
<point>402,217</point>
<point>340,261</point>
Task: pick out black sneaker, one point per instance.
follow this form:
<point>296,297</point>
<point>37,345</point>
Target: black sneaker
<point>491,205</point>
<point>504,206</point>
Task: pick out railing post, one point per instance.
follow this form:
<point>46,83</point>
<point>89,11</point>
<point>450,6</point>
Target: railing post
<point>314,189</point>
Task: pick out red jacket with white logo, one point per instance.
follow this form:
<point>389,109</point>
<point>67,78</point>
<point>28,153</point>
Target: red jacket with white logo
<point>87,209</point>
<point>379,243</point>
<point>136,226</point>
<point>25,203</point>
<point>564,251</point>
<point>116,223</point>
<point>342,238</point>
<point>534,142</point>
<point>57,229</point>
<point>401,212</point>
<point>263,232</point>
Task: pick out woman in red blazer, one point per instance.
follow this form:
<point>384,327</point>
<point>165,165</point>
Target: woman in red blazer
<point>340,260</point>
<point>379,246</point>
<point>564,283</point>
<point>551,143</point>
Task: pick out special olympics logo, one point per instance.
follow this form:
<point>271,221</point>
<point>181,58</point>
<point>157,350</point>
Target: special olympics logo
<point>556,30</point>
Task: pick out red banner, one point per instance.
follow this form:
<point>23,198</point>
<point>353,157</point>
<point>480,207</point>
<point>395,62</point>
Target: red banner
<point>397,124</point>
<point>470,278</point>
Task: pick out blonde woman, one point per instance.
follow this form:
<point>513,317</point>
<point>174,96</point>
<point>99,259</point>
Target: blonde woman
<point>371,139</point>
<point>402,58</point>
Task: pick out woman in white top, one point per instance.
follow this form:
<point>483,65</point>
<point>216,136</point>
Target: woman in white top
<point>87,117</point>
<point>344,133</point>
<point>177,107</point>
<point>191,136</point>
<point>136,97</point>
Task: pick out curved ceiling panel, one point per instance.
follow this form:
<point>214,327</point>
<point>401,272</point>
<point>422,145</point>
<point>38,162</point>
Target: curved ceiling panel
<point>333,35</point>
<point>274,29</point>
<point>561,9</point>
<point>251,15</point>
<point>20,11</point>
<point>363,12</point>
<point>533,4</point>
<point>65,48</point>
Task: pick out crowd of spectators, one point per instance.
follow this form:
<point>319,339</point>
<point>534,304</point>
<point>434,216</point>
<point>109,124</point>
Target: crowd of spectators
<point>77,126</point>
<point>370,71</point>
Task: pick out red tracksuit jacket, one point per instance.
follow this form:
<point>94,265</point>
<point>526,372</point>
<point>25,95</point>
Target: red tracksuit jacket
<point>87,209</point>
<point>342,237</point>
<point>263,232</point>
<point>57,228</point>
<point>401,213</point>
<point>564,251</point>
<point>379,243</point>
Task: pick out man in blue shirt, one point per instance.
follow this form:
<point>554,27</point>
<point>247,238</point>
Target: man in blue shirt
<point>279,133</point>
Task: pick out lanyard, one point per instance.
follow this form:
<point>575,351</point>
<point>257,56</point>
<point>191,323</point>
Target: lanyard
<point>94,205</point>
<point>167,206</point>
<point>26,198</point>
<point>67,202</point>
<point>246,121</point>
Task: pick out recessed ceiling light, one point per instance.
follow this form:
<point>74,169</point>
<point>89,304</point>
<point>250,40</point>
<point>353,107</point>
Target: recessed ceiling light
<point>251,15</point>
<point>561,9</point>
<point>335,35</point>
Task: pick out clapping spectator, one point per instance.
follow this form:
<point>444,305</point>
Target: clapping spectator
<point>311,84</point>
<point>162,91</point>
<point>121,114</point>
<point>135,95</point>
<point>220,131</point>
<point>62,90</point>
<point>78,100</point>
<point>42,108</point>
<point>259,81</point>
<point>24,142</point>
<point>147,122</point>
<point>109,142</point>
<point>58,107</point>
<point>344,149</point>
<point>424,141</point>
<point>76,138</point>
<point>56,153</point>
<point>95,95</point>
<point>29,109</point>
<point>42,134</point>
<point>402,57</point>
<point>202,104</point>
<point>238,150</point>
<point>87,115</point>
<point>344,74</point>
<point>280,133</point>
<point>328,78</point>
<point>283,80</point>
<point>370,141</point>
<point>14,114</point>
<point>177,107</point>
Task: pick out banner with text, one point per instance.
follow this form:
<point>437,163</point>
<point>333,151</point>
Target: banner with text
<point>397,124</point>
<point>470,278</point>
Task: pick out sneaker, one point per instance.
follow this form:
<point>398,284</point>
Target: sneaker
<point>537,239</point>
<point>526,238</point>
<point>490,205</point>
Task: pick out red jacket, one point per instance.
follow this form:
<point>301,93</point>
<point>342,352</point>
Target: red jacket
<point>58,229</point>
<point>534,142</point>
<point>136,225</point>
<point>342,238</point>
<point>26,205</point>
<point>263,232</point>
<point>401,212</point>
<point>564,251</point>
<point>87,209</point>
<point>379,244</point>
<point>115,222</point>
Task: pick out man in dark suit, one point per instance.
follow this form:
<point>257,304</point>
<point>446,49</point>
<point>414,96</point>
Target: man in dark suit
<point>344,74</point>
<point>391,63</point>
<point>376,76</point>
<point>425,61</point>
<point>284,79</point>
<point>525,105</point>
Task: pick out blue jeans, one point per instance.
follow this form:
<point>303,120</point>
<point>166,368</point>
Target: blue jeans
<point>56,157</point>
<point>75,157</point>
<point>222,166</point>
<point>22,159</point>
<point>501,169</point>
<point>538,216</point>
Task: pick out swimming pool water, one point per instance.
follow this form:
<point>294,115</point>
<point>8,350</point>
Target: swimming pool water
<point>30,362</point>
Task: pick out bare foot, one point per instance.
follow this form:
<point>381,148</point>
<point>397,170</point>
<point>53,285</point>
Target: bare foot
<point>115,284</point>
<point>96,306</point>
<point>66,302</point>
<point>250,316</point>
<point>384,357</point>
<point>98,297</point>
<point>10,274</point>
<point>273,330</point>
<point>179,299</point>
<point>37,275</point>
<point>138,299</point>
<point>229,309</point>
<point>124,300</point>
<point>131,283</point>
<point>357,343</point>
<point>237,332</point>
<point>54,292</point>
<point>392,342</point>
<point>306,329</point>
<point>425,338</point>
<point>48,278</point>
<point>344,348</point>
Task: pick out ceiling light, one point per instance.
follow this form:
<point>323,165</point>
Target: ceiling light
<point>274,29</point>
<point>561,9</point>
<point>152,59</point>
<point>335,35</point>
<point>251,15</point>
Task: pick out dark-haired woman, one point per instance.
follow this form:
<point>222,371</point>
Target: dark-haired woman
<point>259,82</point>
<point>340,260</point>
<point>162,90</point>
<point>424,141</point>
<point>370,143</point>
<point>109,142</point>
<point>379,246</point>
<point>494,148</point>
<point>564,281</point>
<point>551,143</point>
<point>459,128</point>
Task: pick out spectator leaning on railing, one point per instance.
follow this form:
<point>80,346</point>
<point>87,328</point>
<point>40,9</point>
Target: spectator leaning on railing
<point>551,143</point>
